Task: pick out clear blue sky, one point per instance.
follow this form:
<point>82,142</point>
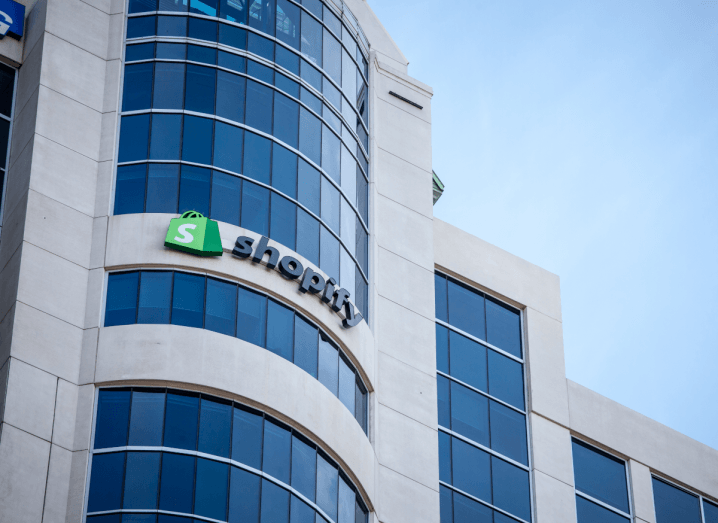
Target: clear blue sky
<point>583,137</point>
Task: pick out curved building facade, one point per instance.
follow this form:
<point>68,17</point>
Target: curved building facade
<point>224,296</point>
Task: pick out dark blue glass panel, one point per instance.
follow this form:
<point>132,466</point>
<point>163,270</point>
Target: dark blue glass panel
<point>471,469</point>
<point>361,295</point>
<point>215,424</point>
<point>243,497</point>
<point>286,120</point>
<point>467,360</point>
<point>361,513</point>
<point>469,414</point>
<point>466,310</point>
<point>589,512</point>
<point>710,512</point>
<point>230,35</point>
<point>259,106</point>
<point>139,52</point>
<point>288,23</point>
<point>197,140</point>
<point>173,5</point>
<point>467,510</point>
<point>310,136</point>
<point>506,379</point>
<point>260,72</point>
<point>228,147</point>
<point>210,495</point>
<point>508,432</point>
<point>314,6</point>
<point>288,86</point>
<point>169,83</point>
<point>139,27</point>
<point>305,345</point>
<point>441,302</point>
<point>301,512</point>
<point>446,504</point>
<point>503,327</point>
<point>166,135</point>
<point>177,482</point>
<point>327,487</point>
<point>255,208</point>
<point>275,503</point>
<point>194,189</point>
<point>202,29</point>
<point>304,467</point>
<point>347,499</point>
<point>172,52</point>
<point>287,59</point>
<point>251,315</point>
<point>232,11</point>
<point>283,221</point>
<point>328,365</point>
<point>137,92</point>
<point>221,307</point>
<point>134,138</point>
<point>280,330</point>
<point>308,236</point>
<point>511,488</point>
<point>233,62</point>
<point>121,306</point>
<point>311,40</point>
<point>444,457</point>
<point>200,53</point>
<point>162,188</point>
<point>442,349</point>
<point>360,414</point>
<point>284,170</point>
<point>277,449</point>
<point>230,96</point>
<point>226,197</point>
<point>261,15</point>
<point>113,410</point>
<point>312,101</point>
<point>247,438</point>
<point>257,157</point>
<point>199,94</point>
<point>347,382</point>
<point>181,420</point>
<point>188,300</point>
<point>165,518</point>
<point>148,411</point>
<point>443,400</point>
<point>330,206</point>
<point>329,253</point>
<point>362,195</point>
<point>600,476</point>
<point>106,482</point>
<point>139,518</point>
<point>308,187</point>
<point>674,505</point>
<point>171,25</point>
<point>142,478</point>
<point>332,57</point>
<point>501,518</point>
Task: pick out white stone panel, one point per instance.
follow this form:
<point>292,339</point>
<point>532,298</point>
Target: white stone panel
<point>403,135</point>
<point>404,183</point>
<point>551,445</point>
<point>402,500</point>
<point>58,485</point>
<point>64,17</point>
<point>30,401</point>
<point>405,233</point>
<point>405,283</point>
<point>407,390</point>
<point>555,500</point>
<point>642,490</point>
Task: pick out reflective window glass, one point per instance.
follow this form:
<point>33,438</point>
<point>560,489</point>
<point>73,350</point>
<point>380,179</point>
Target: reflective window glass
<point>506,379</point>
<point>230,96</point>
<point>332,57</point>
<point>232,11</point>
<point>674,505</point>
<point>503,327</point>
<point>349,77</point>
<point>442,349</point>
<point>467,510</point>
<point>200,28</point>
<point>286,120</point>
<point>308,187</point>
<point>173,5</point>
<point>328,365</point>
<point>511,488</point>
<point>172,52</point>
<point>310,136</point>
<point>347,380</point>
<point>600,475</point>
<point>177,482</point>
<point>330,205</point>
<point>257,157</point>
<point>121,308</point>
<point>314,6</point>
<point>162,188</point>
<point>197,140</point>
<point>113,410</point>
<point>181,418</point>
<point>710,512</point>
<point>210,491</point>
<point>194,189</point>
<point>329,252</point>
<point>134,138</point>
<point>287,59</point>
<point>283,221</point>
<point>220,307</point>
<point>201,53</point>
<point>276,451</point>
<point>347,498</point>
<point>446,504</point>
<point>142,26</point>
<point>169,83</point>
<point>215,424</point>
<point>243,496</point>
<point>280,330</point>
<point>305,345</point>
<point>444,457</point>
<point>467,360</point>
<point>469,414</point>
<point>275,503</point>
<point>261,15</point>
<point>589,512</point>
<point>228,147</point>
<point>311,39</point>
<point>233,62</point>
<point>166,135</point>
<point>331,154</point>
<point>142,478</point>
<point>312,101</point>
<point>288,23</point>
<point>508,432</point>
<point>199,93</point>
<point>188,300</point>
<point>247,438</point>
<point>260,72</point>
<point>251,316</point>
<point>327,486</point>
<point>255,208</point>
<point>466,310</point>
<point>332,22</point>
<point>284,170</point>
<point>148,410</point>
<point>471,469</point>
<point>440,299</point>
<point>443,399</point>
<point>288,86</point>
<point>308,236</point>
<point>137,91</point>
<point>304,467</point>
<point>107,472</point>
<point>226,198</point>
<point>300,512</point>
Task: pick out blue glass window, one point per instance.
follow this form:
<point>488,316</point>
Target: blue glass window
<point>247,438</point>
<point>308,187</point>
<point>162,188</point>
<point>221,307</point>
<point>328,365</point>
<point>467,360</point>
<point>228,147</point>
<point>275,503</point>
<point>446,504</point>
<point>188,300</point>
<point>600,476</point>
<point>444,457</point>
<point>308,236</point>
<point>506,379</point>
<point>234,12</point>
<point>511,488</point>
<point>233,62</point>
<point>142,471</point>
<point>171,25</point>
<point>257,157</point>
<point>139,27</point>
<point>312,101</point>
<point>276,452</point>
<point>710,512</point>
<point>199,95</point>
<point>467,510</point>
<point>251,316</point>
<point>508,432</point>
<point>674,505</point>
<point>210,495</point>
<point>280,330</point>
<point>310,135</point>
<point>347,380</point>
<point>347,499</point>
<point>134,138</point>
<point>332,94</point>
<point>589,512</point>
<point>440,299</point>
<point>215,424</point>
<point>199,28</point>
<point>286,120</point>
<point>329,252</point>
<point>243,496</point>
<point>121,308</point>
<point>181,418</point>
<point>288,23</point>
<point>137,93</point>
<point>226,197</point>
<point>304,467</point>
<point>148,409</point>
<point>327,486</point>
<point>259,106</point>
<point>283,221</point>
<point>469,414</point>
<point>311,39</point>
<point>177,482</point>
<point>106,486</point>
<point>255,207</point>
<point>169,83</point>
<point>471,469</point>
<point>331,154</point>
<point>172,52</point>
<point>287,59</point>
<point>332,57</point>
<point>261,15</point>
<point>443,401</point>
<point>442,349</point>
<point>197,140</point>
<point>113,410</point>
<point>288,86</point>
<point>194,189</point>
<point>466,310</point>
<point>330,205</point>
<point>139,52</point>
<point>166,135</point>
<point>230,96</point>
<point>301,512</point>
<point>284,170</point>
<point>305,345</point>
<point>260,72</point>
<point>503,327</point>
<point>200,53</point>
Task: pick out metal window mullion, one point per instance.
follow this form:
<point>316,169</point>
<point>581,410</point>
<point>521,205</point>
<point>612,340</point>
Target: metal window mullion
<point>603,504</point>
<point>478,340</point>
<point>484,448</point>
<point>485,394</point>
<point>479,500</point>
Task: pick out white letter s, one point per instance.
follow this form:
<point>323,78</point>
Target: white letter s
<point>186,236</point>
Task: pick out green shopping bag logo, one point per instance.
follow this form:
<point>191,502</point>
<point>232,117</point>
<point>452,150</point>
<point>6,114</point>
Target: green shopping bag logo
<point>195,234</point>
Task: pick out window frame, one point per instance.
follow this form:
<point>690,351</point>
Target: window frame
<point>4,173</point>
<point>701,498</point>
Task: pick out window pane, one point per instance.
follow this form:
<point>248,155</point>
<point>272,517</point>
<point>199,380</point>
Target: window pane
<point>200,53</point>
<point>285,84</point>
<point>349,170</point>
<point>259,71</point>
<point>221,307</point>
<point>177,482</point>
<point>173,52</point>
<point>166,133</point>
<point>233,11</point>
<point>215,423</point>
<point>467,360</point>
<point>277,448</point>
<point>360,414</point>
<point>308,187</point>
<point>673,504</point>
<point>330,205</point>
<point>311,39</point>
<point>247,438</point>
<point>261,15</point>
<point>226,197</point>
<point>506,379</point>
<point>233,62</point>
<point>210,496</point>
<point>228,147</point>
<point>255,207</point>
<point>348,227</point>
<point>710,512</point>
<point>284,170</point>
<point>589,512</point>
<point>137,91</point>
<point>188,300</point>
<point>508,432</point>
<point>444,457</point>
<point>328,365</point>
<point>169,82</point>
<point>243,497</point>
<point>142,477</point>
<point>121,298</point>
<point>310,136</point>
<point>347,270</point>
<point>106,482</point>
<point>203,29</point>
<point>139,27</point>
<point>283,221</point>
<point>134,138</point>
<point>332,57</point>
<point>173,5</point>
<point>305,345</point>
<point>259,106</point>
<point>308,236</point>
<point>230,96</point>
<point>440,299</point>
<point>148,411</point>
<point>446,503</point>
<point>347,380</point>
<point>280,330</point>
<point>442,349</point>
<point>257,156</point>
<point>362,196</point>
<point>442,386</point>
<point>288,60</point>
<point>347,498</point>
<point>181,421</point>
<point>503,327</point>
<point>251,316</point>
<point>171,25</point>
<point>312,101</point>
<point>199,95</point>
<point>288,23</point>
<point>155,295</point>
<point>600,476</point>
<point>349,77</point>
<point>301,512</point>
<point>471,469</point>
<point>314,6</point>
<point>466,310</point>
<point>511,488</point>
<point>329,253</point>
<point>197,140</point>
<point>162,188</point>
<point>286,120</point>
<point>331,154</point>
<point>275,503</point>
<point>304,467</point>
<point>469,414</point>
<point>113,410</point>
<point>194,189</point>
<point>327,486</point>
<point>467,510</point>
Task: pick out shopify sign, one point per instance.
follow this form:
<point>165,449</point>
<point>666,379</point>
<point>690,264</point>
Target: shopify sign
<point>195,234</point>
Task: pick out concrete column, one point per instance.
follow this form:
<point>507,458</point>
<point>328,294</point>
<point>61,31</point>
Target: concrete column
<point>642,492</point>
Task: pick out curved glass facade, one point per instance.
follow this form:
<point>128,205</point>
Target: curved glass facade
<point>252,113</point>
<point>171,456</point>
<point>195,300</point>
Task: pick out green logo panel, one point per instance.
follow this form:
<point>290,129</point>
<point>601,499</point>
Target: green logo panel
<point>195,234</point>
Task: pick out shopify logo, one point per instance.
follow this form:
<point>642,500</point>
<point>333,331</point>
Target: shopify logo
<point>195,234</point>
